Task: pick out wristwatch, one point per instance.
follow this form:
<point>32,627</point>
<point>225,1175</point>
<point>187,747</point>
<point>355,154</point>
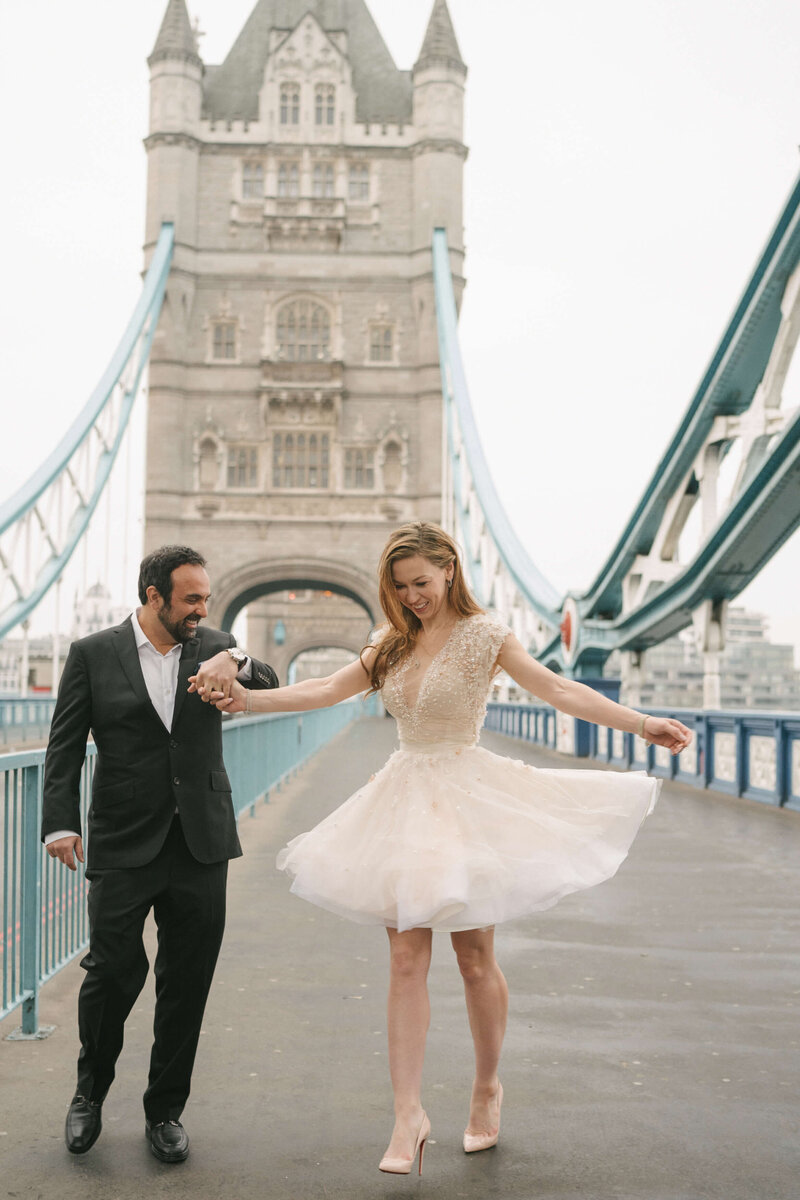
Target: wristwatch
<point>238,656</point>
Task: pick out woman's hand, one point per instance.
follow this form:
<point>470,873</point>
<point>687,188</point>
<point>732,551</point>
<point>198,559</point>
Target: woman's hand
<point>235,703</point>
<point>211,694</point>
<point>666,731</point>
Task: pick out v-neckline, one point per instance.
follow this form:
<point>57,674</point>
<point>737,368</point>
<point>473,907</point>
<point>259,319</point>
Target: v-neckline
<point>412,708</point>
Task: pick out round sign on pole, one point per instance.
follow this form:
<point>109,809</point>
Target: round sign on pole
<point>570,625</point>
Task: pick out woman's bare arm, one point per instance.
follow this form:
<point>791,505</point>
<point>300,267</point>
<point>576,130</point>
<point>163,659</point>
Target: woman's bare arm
<point>577,700</point>
<point>297,697</point>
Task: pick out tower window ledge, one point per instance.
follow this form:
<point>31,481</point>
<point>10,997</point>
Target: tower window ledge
<point>328,373</point>
<point>305,207</point>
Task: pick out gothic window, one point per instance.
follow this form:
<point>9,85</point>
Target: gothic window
<point>359,468</point>
<point>322,181</point>
<point>252,181</point>
<point>358,183</point>
<point>242,466</point>
<point>381,343</point>
<point>288,180</point>
<point>290,104</point>
<point>223,343</point>
<point>301,460</point>
<point>324,104</point>
<point>304,332</point>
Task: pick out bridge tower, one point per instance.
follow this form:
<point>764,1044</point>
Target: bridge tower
<point>294,396</point>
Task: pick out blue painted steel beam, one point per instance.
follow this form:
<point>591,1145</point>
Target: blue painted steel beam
<point>144,320</point>
<point>537,590</point>
<point>727,387</point>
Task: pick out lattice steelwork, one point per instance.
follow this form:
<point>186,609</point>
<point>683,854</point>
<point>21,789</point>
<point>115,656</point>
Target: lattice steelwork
<point>724,497</point>
<point>42,524</point>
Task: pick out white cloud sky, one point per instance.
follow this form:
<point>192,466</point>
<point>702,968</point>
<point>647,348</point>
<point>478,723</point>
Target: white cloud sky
<point>627,161</point>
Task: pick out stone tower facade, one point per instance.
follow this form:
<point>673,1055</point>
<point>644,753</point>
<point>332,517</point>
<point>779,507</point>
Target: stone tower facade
<point>294,396</point>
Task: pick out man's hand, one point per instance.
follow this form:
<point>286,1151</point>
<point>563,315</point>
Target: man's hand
<point>63,849</point>
<point>215,675</point>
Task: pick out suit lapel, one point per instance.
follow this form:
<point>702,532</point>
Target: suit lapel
<point>128,655</point>
<point>188,666</point>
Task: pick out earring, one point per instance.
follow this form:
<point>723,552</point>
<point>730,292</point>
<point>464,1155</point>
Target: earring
<point>450,583</point>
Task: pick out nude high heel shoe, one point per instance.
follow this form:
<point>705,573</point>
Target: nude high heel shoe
<point>402,1166</point>
<point>482,1141</point>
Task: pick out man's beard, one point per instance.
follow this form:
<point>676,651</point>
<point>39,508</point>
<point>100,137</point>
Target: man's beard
<point>181,631</point>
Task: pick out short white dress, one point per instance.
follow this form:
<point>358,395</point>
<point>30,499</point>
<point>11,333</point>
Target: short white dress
<point>449,836</point>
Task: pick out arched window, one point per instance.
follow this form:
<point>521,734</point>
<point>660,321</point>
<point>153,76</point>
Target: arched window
<point>359,468</point>
<point>322,181</point>
<point>290,104</point>
<point>288,180</point>
<point>242,466</point>
<point>300,460</point>
<point>252,181</point>
<point>324,104</point>
<point>304,332</point>
<point>381,343</point>
<point>358,183</point>
<point>223,340</point>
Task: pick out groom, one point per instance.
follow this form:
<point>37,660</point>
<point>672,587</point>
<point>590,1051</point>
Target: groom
<point>161,830</point>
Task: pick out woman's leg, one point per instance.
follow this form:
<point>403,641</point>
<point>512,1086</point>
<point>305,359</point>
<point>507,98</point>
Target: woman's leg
<point>409,1015</point>
<point>486,993</point>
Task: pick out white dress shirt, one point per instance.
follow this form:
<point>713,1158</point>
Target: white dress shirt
<point>160,673</point>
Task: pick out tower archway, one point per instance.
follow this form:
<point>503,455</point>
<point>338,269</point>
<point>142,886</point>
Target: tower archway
<point>293,606</point>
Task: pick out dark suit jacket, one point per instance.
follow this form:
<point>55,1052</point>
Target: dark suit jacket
<point>144,771</point>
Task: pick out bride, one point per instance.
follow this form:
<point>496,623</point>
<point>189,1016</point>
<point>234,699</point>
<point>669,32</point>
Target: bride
<point>448,836</point>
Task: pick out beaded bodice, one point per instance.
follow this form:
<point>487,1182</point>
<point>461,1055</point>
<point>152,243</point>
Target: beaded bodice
<point>450,700</point>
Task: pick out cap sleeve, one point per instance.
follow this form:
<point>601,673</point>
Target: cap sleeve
<point>496,633</point>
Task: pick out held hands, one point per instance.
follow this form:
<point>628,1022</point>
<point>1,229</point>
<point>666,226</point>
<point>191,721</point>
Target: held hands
<point>666,731</point>
<point>232,701</point>
<point>63,848</point>
<point>216,675</point>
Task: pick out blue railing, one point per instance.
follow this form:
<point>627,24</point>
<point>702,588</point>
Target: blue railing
<point>750,754</point>
<point>44,922</point>
<point>23,718</point>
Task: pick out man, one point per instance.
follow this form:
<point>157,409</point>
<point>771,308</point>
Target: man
<point>161,830</point>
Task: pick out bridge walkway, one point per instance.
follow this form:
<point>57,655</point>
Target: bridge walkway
<point>651,1051</point>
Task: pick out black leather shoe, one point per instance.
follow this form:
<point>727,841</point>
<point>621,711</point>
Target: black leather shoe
<point>83,1124</point>
<point>168,1140</point>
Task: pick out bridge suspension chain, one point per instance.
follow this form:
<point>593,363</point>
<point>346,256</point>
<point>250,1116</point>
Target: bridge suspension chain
<point>44,522</point>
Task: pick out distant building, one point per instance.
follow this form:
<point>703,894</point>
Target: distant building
<point>94,612</point>
<point>755,673</point>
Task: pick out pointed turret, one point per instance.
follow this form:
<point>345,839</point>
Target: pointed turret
<point>176,38</point>
<point>439,44</point>
<point>176,95</point>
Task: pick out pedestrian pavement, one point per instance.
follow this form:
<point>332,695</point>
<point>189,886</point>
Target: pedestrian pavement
<point>652,1047</point>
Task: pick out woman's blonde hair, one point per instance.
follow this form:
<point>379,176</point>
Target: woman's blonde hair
<point>400,635</point>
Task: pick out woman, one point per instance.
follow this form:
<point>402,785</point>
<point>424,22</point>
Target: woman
<point>448,836</point>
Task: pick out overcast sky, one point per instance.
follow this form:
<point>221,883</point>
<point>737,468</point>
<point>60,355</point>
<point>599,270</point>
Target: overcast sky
<point>627,162</point>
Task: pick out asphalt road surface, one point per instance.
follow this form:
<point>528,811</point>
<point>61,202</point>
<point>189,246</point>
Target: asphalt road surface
<point>652,1049</point>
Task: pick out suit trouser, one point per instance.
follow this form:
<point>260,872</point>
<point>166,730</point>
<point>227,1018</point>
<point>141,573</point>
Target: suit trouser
<point>188,902</point>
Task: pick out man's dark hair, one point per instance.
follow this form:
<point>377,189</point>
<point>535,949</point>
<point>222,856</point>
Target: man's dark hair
<point>157,567</point>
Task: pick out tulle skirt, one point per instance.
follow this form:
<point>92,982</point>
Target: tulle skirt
<point>454,837</point>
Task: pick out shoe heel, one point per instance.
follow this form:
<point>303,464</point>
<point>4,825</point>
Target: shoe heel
<point>421,1152</point>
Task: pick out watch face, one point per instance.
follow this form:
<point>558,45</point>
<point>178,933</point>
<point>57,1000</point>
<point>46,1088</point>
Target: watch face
<point>238,656</point>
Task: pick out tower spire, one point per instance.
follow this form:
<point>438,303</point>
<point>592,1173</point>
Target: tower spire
<point>440,44</point>
<point>176,38</point>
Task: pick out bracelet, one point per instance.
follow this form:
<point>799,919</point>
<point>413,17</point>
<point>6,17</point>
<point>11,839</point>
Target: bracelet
<point>248,703</point>
<point>640,730</point>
